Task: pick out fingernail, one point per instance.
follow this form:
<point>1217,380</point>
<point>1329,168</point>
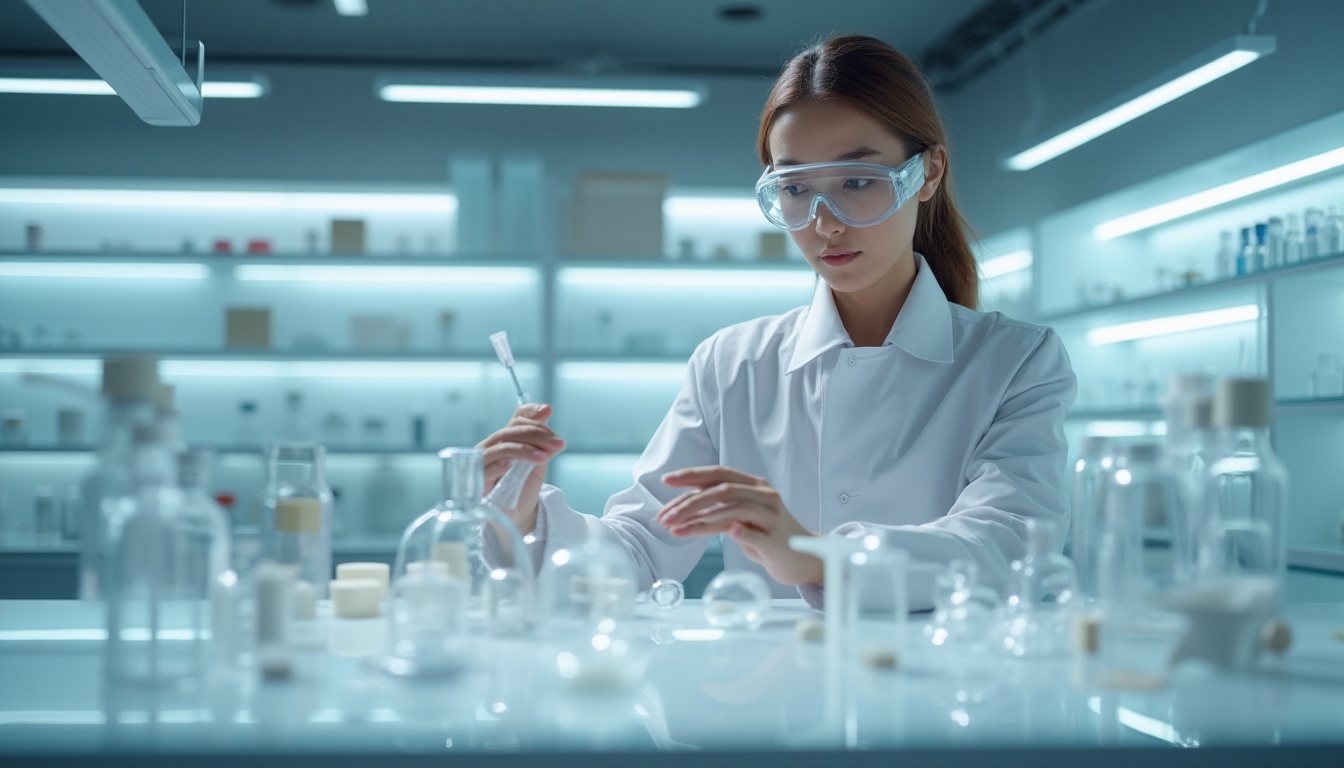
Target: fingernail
<point>538,455</point>
<point>557,441</point>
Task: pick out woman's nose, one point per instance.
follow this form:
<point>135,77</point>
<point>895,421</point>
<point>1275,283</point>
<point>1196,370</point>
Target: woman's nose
<point>827,223</point>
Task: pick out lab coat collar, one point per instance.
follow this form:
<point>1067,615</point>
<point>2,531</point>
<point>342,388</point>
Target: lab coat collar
<point>923,328</point>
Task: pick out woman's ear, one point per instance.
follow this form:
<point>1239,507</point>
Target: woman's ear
<point>935,164</point>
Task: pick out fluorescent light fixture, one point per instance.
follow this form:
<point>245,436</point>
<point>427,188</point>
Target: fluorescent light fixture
<point>244,368</point>
<point>386,274</point>
<point>178,198</point>
<point>242,89</point>
<point>1235,190</point>
<point>622,371</point>
<point>1163,326</point>
<point>731,208</point>
<point>1198,71</point>
<point>689,278</point>
<point>352,7</point>
<point>117,39</point>
<point>117,271</point>
<point>1006,264</point>
<point>1125,429</point>
<point>540,95</point>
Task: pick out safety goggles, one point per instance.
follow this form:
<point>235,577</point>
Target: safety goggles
<point>858,194</point>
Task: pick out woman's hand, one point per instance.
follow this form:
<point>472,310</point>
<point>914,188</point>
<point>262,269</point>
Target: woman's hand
<point>525,438</point>
<point>747,509</point>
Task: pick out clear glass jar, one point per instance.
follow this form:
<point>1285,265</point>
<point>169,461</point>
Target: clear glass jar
<point>1045,595</point>
<point>462,571</point>
<point>158,575</point>
<point>297,521</point>
<point>1085,484</point>
<point>1327,378</point>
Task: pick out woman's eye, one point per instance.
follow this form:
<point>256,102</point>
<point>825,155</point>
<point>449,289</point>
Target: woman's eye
<point>792,190</point>
<point>857,183</point>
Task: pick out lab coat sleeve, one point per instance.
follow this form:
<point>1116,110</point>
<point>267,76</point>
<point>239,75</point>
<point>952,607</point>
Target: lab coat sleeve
<point>683,439</point>
<point>1015,472</point>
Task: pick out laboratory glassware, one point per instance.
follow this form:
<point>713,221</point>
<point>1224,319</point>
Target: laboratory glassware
<point>386,500</point>
<point>1311,239</point>
<point>585,586</point>
<point>298,512</point>
<point>1260,255</point>
<point>877,601</point>
<point>1274,243</point>
<point>1292,241</point>
<point>157,578</point>
<point>965,613</point>
<point>13,427</point>
<point>737,599</point>
<point>1246,254</point>
<point>507,489</point>
<point>1085,484</point>
<point>666,594</point>
<point>1327,378</point>
<point>295,425</point>
<point>247,432</point>
<point>462,570</point>
<point>1045,595</point>
<point>1225,260</point>
<point>46,521</point>
<point>1332,233</point>
<point>129,386</point>
<point>193,478</point>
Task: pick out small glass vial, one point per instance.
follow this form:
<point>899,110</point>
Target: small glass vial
<point>1332,233</point>
<point>1292,241</point>
<point>1225,260</point>
<point>1311,239</point>
<point>375,432</point>
<point>666,594</point>
<point>737,600</point>
<point>1260,256</point>
<point>46,521</point>
<point>298,517</point>
<point>248,431</point>
<point>335,430</point>
<point>1045,598</point>
<point>295,425</point>
<point>1274,243</point>
<point>1246,254</point>
<point>1327,379</point>
<point>13,427</point>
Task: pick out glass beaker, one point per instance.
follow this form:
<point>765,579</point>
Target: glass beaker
<point>298,518</point>
<point>1045,595</point>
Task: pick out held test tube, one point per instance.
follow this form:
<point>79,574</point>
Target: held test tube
<point>510,486</point>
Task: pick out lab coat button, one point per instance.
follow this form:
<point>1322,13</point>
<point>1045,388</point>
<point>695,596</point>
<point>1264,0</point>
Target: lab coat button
<point>853,360</point>
<point>844,497</point>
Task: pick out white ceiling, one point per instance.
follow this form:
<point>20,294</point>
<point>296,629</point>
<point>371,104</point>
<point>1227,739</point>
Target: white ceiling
<point>648,35</point>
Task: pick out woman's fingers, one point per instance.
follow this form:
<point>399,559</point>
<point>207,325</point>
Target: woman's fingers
<point>700,477</point>
<point>723,517</point>
<point>535,435</point>
<point>687,508</point>
<point>502,453</point>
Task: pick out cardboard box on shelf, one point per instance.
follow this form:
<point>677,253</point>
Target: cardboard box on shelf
<point>247,328</point>
<point>347,236</point>
<point>618,214</point>
<point>379,332</point>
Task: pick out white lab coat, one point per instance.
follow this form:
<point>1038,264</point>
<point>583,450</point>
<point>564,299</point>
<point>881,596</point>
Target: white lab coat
<point>948,437</point>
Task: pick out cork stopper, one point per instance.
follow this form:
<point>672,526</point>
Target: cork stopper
<point>1242,403</point>
<point>131,378</point>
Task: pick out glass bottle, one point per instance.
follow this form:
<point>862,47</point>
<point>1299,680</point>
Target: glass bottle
<point>1332,233</point>
<point>1225,261</point>
<point>461,571</point>
<point>1327,378</point>
<point>1045,595</point>
<point>158,575</point>
<point>1246,254</point>
<point>295,425</point>
<point>248,431</point>
<point>1311,239</point>
<point>1292,241</point>
<point>1085,484</point>
<point>1260,256</point>
<point>1144,556</point>
<point>193,477</point>
<point>1243,534</point>
<point>46,521</point>
<point>1274,239</point>
<point>298,517</point>
<point>129,387</point>
<point>386,499</point>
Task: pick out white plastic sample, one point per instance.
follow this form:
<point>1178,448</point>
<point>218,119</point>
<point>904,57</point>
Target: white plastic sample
<point>375,571</point>
<point>356,598</point>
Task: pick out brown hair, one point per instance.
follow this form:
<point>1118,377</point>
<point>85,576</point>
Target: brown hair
<point>884,83</point>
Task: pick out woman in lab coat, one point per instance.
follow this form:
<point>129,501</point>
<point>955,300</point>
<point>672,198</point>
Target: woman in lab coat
<point>888,404</point>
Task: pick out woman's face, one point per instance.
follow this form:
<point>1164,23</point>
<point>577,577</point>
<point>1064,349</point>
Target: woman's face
<point>849,259</point>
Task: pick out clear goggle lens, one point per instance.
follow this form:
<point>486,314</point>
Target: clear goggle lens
<point>858,194</point>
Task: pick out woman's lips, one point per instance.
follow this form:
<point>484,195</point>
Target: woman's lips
<point>839,258</point>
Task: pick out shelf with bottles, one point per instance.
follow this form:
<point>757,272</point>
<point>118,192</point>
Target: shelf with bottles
<point>1164,233</point>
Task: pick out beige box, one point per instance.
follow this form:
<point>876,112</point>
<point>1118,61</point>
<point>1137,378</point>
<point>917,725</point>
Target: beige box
<point>617,214</point>
<point>773,246</point>
<point>379,332</point>
<point>347,235</point>
<point>247,328</point>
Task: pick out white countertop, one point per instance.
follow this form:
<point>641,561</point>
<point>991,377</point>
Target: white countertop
<point>748,692</point>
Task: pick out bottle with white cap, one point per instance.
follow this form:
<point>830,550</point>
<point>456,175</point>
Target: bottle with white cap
<point>162,554</point>
<point>1089,469</point>
<point>130,388</point>
<point>298,517</point>
<point>1243,533</point>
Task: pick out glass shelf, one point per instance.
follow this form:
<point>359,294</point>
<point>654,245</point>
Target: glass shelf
<point>226,355</point>
<point>1137,413</point>
<point>1324,263</point>
<point>233,450</point>
<point>446,260</point>
<point>1329,559</point>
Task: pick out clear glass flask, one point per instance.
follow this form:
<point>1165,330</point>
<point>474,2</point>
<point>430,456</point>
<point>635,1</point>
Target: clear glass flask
<point>298,517</point>
<point>1292,240</point>
<point>158,577</point>
<point>1044,597</point>
<point>129,386</point>
<point>295,425</point>
<point>1226,257</point>
<point>461,571</point>
<point>1085,484</point>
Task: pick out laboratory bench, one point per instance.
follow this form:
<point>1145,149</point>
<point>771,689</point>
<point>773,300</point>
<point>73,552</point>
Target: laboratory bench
<point>695,695</point>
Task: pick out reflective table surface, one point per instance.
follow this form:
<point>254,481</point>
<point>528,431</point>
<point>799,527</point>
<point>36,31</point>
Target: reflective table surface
<point>692,692</point>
